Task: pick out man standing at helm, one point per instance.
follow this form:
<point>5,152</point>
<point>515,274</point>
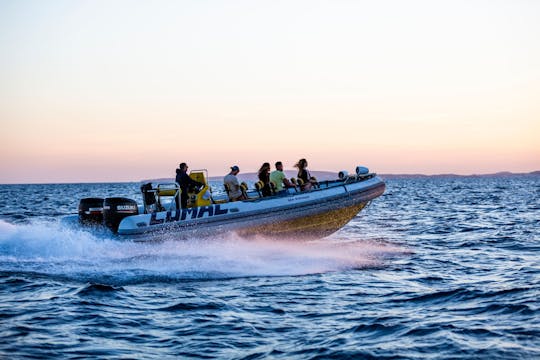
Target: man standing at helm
<point>183,179</point>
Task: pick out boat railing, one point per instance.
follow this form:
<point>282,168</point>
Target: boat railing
<point>169,191</point>
<point>255,193</point>
<point>160,198</point>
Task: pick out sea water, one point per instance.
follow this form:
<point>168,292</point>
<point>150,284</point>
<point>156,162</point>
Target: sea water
<point>435,268</point>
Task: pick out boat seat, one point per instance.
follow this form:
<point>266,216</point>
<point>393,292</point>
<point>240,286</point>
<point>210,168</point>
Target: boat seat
<point>244,188</point>
<point>314,182</point>
<point>273,187</point>
<point>166,192</point>
<point>258,187</point>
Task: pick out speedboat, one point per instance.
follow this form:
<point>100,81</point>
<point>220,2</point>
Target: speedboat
<point>293,213</point>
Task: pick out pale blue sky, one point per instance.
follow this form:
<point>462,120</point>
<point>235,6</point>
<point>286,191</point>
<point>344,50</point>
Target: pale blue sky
<point>121,90</point>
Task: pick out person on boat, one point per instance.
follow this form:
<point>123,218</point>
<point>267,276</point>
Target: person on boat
<point>185,182</point>
<point>303,173</point>
<point>264,176</point>
<point>231,182</point>
<point>278,178</point>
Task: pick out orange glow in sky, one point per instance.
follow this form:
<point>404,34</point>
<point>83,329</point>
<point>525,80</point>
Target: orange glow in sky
<point>126,90</point>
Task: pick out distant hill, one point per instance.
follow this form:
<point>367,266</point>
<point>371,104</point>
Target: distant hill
<point>498,174</point>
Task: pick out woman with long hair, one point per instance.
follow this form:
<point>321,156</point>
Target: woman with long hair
<point>264,176</point>
<point>303,173</point>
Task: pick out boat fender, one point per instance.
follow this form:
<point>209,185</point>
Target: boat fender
<point>362,170</point>
<point>343,174</point>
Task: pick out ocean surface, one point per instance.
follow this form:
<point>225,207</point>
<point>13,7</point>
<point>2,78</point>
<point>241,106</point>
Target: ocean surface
<point>435,268</point>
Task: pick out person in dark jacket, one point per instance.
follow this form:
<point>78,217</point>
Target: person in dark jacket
<point>185,182</point>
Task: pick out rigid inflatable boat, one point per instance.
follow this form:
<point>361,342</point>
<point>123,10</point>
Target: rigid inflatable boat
<point>294,213</point>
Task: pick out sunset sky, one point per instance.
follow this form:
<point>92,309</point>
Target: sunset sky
<point>125,90</point>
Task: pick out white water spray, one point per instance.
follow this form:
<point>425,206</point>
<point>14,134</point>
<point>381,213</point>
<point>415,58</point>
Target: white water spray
<point>53,249</point>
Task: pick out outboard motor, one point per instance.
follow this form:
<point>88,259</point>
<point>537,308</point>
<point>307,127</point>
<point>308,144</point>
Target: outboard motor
<point>91,211</point>
<point>117,208</point>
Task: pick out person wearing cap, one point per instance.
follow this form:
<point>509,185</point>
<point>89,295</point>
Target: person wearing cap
<point>185,182</point>
<point>231,181</point>
<point>278,178</point>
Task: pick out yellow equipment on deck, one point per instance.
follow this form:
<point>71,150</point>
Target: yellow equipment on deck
<point>204,196</point>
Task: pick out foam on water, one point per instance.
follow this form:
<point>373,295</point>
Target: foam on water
<point>51,248</point>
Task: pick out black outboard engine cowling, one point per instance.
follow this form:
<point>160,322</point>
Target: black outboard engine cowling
<point>91,211</point>
<point>117,208</point>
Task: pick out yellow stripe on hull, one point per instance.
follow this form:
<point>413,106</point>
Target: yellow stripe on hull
<point>313,226</point>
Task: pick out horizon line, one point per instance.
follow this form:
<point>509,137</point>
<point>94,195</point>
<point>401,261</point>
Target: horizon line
<point>498,173</point>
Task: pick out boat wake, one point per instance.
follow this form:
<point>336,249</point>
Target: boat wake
<point>52,249</point>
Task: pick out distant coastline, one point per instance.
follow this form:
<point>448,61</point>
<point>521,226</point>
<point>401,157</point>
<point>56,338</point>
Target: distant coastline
<point>329,175</point>
<point>321,175</point>
<point>497,174</point>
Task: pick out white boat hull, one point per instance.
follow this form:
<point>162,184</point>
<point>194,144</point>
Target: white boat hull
<point>312,214</point>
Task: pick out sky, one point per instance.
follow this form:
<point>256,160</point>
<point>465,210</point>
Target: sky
<point>126,90</point>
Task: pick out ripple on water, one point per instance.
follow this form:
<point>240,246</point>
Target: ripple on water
<point>436,267</point>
